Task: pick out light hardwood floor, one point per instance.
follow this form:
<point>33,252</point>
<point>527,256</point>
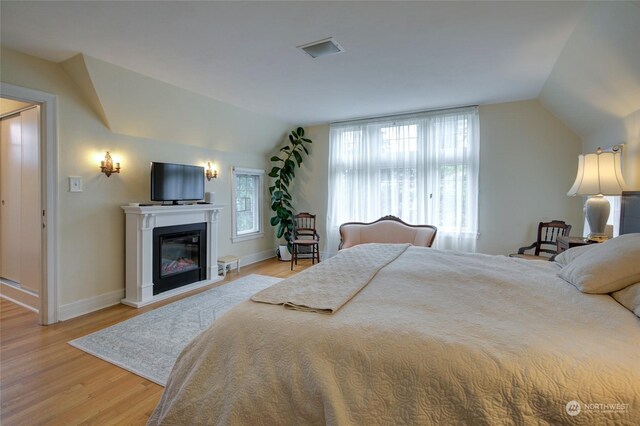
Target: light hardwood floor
<point>43,380</point>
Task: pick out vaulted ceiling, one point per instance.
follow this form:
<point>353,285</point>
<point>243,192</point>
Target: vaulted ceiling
<point>400,56</point>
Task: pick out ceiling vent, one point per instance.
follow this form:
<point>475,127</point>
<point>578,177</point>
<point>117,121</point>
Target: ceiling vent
<point>320,48</point>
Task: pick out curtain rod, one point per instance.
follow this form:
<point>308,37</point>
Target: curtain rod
<point>400,115</point>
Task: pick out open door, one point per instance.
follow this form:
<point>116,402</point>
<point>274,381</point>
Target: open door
<point>20,206</point>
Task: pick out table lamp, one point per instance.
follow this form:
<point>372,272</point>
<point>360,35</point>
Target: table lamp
<point>599,174</point>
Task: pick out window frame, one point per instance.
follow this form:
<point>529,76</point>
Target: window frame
<point>259,173</point>
<point>447,164</point>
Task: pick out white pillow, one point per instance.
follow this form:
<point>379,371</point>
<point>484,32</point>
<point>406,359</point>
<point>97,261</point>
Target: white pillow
<point>606,267</point>
<point>629,298</point>
<point>568,256</point>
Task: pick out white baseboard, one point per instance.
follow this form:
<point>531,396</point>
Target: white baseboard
<point>19,296</point>
<point>85,306</point>
<point>257,257</point>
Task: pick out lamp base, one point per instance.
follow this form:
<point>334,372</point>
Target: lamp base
<point>597,237</point>
<point>597,211</point>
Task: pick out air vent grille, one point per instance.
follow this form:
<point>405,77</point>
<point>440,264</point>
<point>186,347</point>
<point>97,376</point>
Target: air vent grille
<point>320,48</point>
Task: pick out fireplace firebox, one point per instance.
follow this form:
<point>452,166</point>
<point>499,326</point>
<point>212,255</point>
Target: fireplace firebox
<point>179,256</point>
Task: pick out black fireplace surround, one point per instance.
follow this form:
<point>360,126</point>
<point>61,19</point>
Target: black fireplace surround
<point>179,256</point>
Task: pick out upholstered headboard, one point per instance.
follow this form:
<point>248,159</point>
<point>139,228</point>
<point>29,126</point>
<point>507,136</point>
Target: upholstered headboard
<point>388,229</point>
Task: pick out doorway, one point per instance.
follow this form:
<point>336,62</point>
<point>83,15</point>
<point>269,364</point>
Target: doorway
<point>20,203</point>
<point>28,255</point>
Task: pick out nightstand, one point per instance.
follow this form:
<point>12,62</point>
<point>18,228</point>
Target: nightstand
<point>565,243</point>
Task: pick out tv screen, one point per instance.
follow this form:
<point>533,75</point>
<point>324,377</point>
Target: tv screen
<point>176,182</point>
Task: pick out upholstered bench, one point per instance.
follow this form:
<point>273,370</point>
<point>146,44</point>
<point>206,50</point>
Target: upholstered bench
<point>388,229</point>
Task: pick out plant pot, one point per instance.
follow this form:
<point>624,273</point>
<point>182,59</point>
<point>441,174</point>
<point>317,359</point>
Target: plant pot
<point>283,253</point>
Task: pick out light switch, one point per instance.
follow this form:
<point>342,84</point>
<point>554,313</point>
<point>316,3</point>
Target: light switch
<point>75,184</point>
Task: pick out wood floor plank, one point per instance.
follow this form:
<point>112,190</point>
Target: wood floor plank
<point>44,380</point>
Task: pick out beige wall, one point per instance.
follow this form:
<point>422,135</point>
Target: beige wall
<point>527,164</point>
<point>528,161</point>
<point>627,131</point>
<point>91,223</point>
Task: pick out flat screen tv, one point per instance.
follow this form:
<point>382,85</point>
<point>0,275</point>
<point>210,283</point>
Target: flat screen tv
<point>176,182</point>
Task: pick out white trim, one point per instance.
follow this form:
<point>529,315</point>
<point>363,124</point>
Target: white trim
<point>90,304</point>
<point>17,302</point>
<point>168,294</point>
<point>140,223</point>
<point>260,232</point>
<point>20,296</point>
<point>247,237</point>
<point>257,257</point>
<point>247,170</point>
<point>49,165</point>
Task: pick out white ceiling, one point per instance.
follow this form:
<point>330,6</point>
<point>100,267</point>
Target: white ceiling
<point>400,56</point>
<point>595,83</point>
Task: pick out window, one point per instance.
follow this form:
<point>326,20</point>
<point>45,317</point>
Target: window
<point>422,168</point>
<point>246,205</point>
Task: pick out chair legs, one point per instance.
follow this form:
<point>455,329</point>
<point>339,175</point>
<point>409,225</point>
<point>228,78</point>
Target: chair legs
<point>315,254</point>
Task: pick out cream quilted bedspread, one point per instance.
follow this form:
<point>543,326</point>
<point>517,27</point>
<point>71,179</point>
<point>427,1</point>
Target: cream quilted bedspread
<point>435,338</point>
<point>328,286</point>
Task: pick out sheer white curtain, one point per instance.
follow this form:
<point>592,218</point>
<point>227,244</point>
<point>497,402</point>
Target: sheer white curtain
<point>422,168</point>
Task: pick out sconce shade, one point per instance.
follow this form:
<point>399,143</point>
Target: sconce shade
<point>599,173</point>
<point>106,166</point>
<point>210,173</point>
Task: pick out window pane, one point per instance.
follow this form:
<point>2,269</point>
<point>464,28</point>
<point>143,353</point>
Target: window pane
<point>421,167</point>
<point>247,203</point>
<point>399,139</point>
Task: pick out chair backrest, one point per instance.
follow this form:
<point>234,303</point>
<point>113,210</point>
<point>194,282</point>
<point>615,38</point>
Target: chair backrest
<point>388,229</point>
<point>548,233</point>
<point>304,225</point>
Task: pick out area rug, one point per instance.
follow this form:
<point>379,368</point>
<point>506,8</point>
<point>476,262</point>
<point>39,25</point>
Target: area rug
<point>149,344</point>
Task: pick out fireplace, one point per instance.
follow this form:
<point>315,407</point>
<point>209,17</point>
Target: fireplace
<point>179,256</point>
<point>141,251</point>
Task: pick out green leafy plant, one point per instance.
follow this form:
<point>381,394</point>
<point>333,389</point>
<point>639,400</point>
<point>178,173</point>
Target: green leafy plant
<point>290,156</point>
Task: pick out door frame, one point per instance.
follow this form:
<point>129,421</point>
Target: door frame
<point>48,312</point>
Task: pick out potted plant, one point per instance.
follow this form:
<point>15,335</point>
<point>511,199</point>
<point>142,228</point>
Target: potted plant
<point>283,172</point>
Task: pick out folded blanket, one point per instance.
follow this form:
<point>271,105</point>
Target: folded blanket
<point>326,287</point>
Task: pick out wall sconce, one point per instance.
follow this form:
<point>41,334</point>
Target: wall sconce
<point>210,173</point>
<point>106,165</point>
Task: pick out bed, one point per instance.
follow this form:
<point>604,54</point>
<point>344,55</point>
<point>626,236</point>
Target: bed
<point>434,337</point>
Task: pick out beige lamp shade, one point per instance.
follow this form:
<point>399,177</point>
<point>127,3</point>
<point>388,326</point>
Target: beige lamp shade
<point>599,173</point>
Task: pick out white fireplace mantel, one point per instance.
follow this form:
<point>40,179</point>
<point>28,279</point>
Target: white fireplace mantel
<point>140,222</point>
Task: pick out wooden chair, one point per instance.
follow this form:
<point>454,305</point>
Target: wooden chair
<point>304,235</point>
<point>548,233</point>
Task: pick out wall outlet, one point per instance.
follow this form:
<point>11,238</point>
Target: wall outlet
<point>75,184</point>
